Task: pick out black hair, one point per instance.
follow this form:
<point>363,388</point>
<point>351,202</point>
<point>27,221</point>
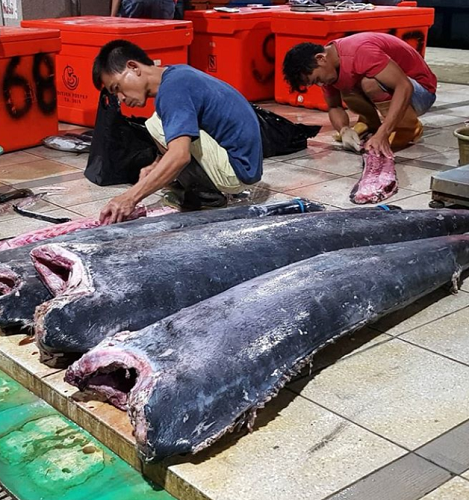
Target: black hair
<point>299,62</point>
<point>113,58</point>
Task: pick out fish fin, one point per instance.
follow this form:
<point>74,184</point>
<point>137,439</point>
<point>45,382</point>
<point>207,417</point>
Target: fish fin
<point>456,281</point>
<point>251,418</point>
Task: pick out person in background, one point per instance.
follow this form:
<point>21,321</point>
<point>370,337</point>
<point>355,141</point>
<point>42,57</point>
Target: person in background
<point>197,117</point>
<point>179,10</point>
<point>143,9</point>
<point>370,72</point>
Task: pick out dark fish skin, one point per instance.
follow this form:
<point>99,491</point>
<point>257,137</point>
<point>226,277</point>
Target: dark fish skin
<point>197,374</point>
<point>13,306</point>
<point>140,281</point>
<point>17,304</point>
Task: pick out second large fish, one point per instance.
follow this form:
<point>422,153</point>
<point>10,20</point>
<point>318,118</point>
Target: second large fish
<point>104,289</point>
<point>191,377</point>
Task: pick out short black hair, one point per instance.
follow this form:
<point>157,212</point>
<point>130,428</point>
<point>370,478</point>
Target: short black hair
<point>113,58</point>
<point>299,62</point>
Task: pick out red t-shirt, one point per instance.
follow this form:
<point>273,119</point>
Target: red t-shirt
<point>367,54</point>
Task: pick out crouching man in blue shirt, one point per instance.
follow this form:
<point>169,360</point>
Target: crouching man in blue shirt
<point>197,116</point>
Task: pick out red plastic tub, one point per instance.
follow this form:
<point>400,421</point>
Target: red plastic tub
<point>82,37</point>
<point>28,98</point>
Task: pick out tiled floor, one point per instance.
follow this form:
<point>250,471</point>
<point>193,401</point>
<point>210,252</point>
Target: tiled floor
<point>385,416</point>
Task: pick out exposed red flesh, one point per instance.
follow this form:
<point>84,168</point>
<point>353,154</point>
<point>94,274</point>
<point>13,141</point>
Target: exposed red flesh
<point>9,281</point>
<point>378,181</point>
<point>60,270</point>
<point>124,378</point>
<point>72,226</point>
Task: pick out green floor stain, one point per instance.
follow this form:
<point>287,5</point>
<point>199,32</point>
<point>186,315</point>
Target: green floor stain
<point>43,455</point>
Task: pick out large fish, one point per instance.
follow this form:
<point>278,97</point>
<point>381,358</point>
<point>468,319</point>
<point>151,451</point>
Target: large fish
<point>194,376</point>
<point>129,284</point>
<point>21,290</point>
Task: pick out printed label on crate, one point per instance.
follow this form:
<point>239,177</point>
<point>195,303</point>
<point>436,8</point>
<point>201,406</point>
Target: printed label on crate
<point>71,97</point>
<point>69,78</point>
<point>70,93</point>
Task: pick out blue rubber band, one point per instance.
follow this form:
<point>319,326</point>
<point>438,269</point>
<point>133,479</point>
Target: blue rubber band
<point>301,204</point>
<point>384,207</point>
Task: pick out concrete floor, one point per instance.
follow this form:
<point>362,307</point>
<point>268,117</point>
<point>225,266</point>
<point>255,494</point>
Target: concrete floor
<point>385,415</point>
<point>449,65</point>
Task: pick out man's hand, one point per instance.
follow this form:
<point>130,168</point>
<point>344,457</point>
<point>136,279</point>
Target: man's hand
<point>350,139</point>
<point>158,174</point>
<point>117,210</point>
<point>379,143</point>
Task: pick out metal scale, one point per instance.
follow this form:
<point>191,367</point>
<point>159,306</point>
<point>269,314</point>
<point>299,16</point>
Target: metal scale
<point>450,188</point>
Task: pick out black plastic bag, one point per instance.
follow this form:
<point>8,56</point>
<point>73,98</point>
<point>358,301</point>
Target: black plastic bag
<point>280,136</point>
<point>121,146</point>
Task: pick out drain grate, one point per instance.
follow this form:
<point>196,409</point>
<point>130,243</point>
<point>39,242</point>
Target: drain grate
<point>4,495</point>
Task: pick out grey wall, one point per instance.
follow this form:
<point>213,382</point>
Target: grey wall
<point>95,7</point>
<point>42,9</point>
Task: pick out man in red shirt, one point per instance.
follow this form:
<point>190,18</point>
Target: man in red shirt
<point>371,72</point>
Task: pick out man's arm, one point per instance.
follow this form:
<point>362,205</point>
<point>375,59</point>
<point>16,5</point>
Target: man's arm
<point>341,122</point>
<point>115,4</point>
<point>395,79</point>
<point>163,171</point>
<point>337,114</point>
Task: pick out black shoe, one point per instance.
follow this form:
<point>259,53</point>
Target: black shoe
<point>191,200</point>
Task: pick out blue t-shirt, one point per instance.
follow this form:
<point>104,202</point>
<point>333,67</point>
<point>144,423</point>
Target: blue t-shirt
<point>189,101</point>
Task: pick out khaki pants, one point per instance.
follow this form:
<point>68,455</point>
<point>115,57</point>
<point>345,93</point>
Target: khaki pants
<point>208,153</point>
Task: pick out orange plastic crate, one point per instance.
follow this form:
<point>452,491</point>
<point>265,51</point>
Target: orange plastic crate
<point>165,42</point>
<point>238,48</point>
<point>291,28</point>
<point>28,107</point>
